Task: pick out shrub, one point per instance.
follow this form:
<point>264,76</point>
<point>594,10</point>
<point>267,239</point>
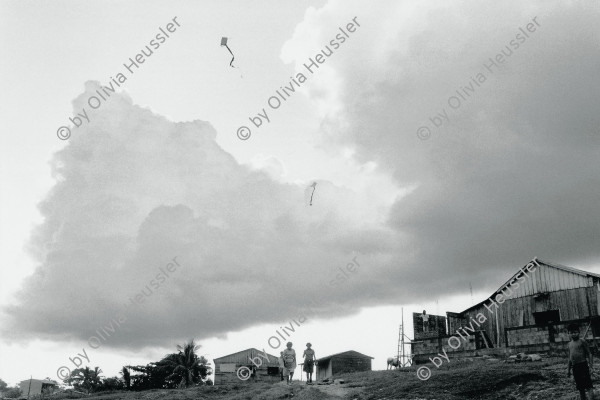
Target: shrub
<point>12,393</point>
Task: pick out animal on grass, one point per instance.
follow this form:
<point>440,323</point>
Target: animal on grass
<point>392,362</point>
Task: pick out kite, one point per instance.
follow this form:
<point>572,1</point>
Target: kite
<point>314,186</point>
<point>224,43</point>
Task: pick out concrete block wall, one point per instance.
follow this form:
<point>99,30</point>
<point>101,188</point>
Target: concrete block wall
<point>529,339</point>
<point>529,336</point>
<point>538,334</point>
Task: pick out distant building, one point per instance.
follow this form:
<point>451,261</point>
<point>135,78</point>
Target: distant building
<point>534,309</point>
<point>226,367</point>
<point>348,361</point>
<point>31,387</point>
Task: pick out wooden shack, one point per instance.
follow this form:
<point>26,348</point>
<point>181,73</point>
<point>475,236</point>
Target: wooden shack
<point>348,361</point>
<point>226,368</point>
<point>30,387</point>
<point>530,312</point>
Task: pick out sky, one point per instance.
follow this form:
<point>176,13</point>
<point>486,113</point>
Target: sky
<point>451,142</point>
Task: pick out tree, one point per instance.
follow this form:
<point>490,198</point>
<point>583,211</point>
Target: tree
<point>12,393</point>
<point>126,377</point>
<point>149,377</point>
<point>85,378</point>
<point>185,368</point>
<point>180,369</point>
<point>110,384</point>
<point>3,385</point>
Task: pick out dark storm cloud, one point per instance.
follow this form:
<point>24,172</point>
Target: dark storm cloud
<point>512,172</point>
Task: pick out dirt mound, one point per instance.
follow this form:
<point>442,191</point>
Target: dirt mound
<point>510,385</point>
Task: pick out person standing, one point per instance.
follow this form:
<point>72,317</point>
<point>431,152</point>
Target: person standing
<point>309,362</point>
<point>289,362</point>
<point>281,365</point>
<point>425,321</point>
<point>579,353</point>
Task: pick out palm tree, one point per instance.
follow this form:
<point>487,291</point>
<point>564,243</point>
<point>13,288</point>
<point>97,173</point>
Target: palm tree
<point>185,368</point>
<point>126,377</point>
<point>85,378</point>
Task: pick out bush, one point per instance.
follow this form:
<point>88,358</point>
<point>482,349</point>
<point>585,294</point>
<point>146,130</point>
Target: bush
<point>110,384</point>
<point>12,393</point>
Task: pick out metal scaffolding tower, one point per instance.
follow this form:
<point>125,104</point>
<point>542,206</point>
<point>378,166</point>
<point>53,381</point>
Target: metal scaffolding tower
<point>404,357</point>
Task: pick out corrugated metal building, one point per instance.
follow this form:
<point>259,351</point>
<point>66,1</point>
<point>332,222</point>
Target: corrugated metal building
<point>31,387</point>
<point>226,367</point>
<point>347,361</point>
<point>528,312</point>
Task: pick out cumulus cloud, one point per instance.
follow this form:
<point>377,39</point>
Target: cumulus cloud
<point>274,167</point>
<point>134,191</point>
<point>511,173</point>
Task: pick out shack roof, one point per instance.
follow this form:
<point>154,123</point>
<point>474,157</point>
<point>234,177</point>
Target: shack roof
<point>251,352</point>
<point>349,352</point>
<point>43,381</point>
<point>539,261</point>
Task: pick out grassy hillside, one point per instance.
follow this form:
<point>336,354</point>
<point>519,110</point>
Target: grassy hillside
<point>482,380</point>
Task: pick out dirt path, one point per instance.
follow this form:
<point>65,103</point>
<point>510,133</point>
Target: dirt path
<point>336,391</point>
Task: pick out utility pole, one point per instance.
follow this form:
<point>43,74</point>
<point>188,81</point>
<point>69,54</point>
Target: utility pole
<point>471,289</point>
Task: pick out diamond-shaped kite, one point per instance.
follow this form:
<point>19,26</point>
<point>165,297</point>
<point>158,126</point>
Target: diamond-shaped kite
<point>224,43</point>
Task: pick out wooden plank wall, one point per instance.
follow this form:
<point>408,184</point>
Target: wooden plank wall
<point>549,279</point>
<point>231,377</point>
<point>36,387</point>
<point>241,358</point>
<point>324,370</point>
<point>345,363</point>
<point>572,304</point>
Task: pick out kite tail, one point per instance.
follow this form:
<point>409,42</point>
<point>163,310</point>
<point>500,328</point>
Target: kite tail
<point>232,57</point>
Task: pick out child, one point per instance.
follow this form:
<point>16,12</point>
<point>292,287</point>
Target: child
<point>281,365</point>
<point>289,362</point>
<point>309,362</point>
<point>579,353</point>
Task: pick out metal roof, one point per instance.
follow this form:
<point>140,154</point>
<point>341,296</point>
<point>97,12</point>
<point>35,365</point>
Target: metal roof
<point>251,350</point>
<point>539,261</point>
<point>345,352</point>
<point>568,269</point>
<point>43,381</point>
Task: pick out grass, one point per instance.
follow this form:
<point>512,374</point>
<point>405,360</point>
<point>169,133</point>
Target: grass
<point>476,380</point>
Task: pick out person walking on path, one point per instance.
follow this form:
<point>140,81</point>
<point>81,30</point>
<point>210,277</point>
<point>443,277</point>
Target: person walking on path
<point>289,362</point>
<point>309,362</point>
